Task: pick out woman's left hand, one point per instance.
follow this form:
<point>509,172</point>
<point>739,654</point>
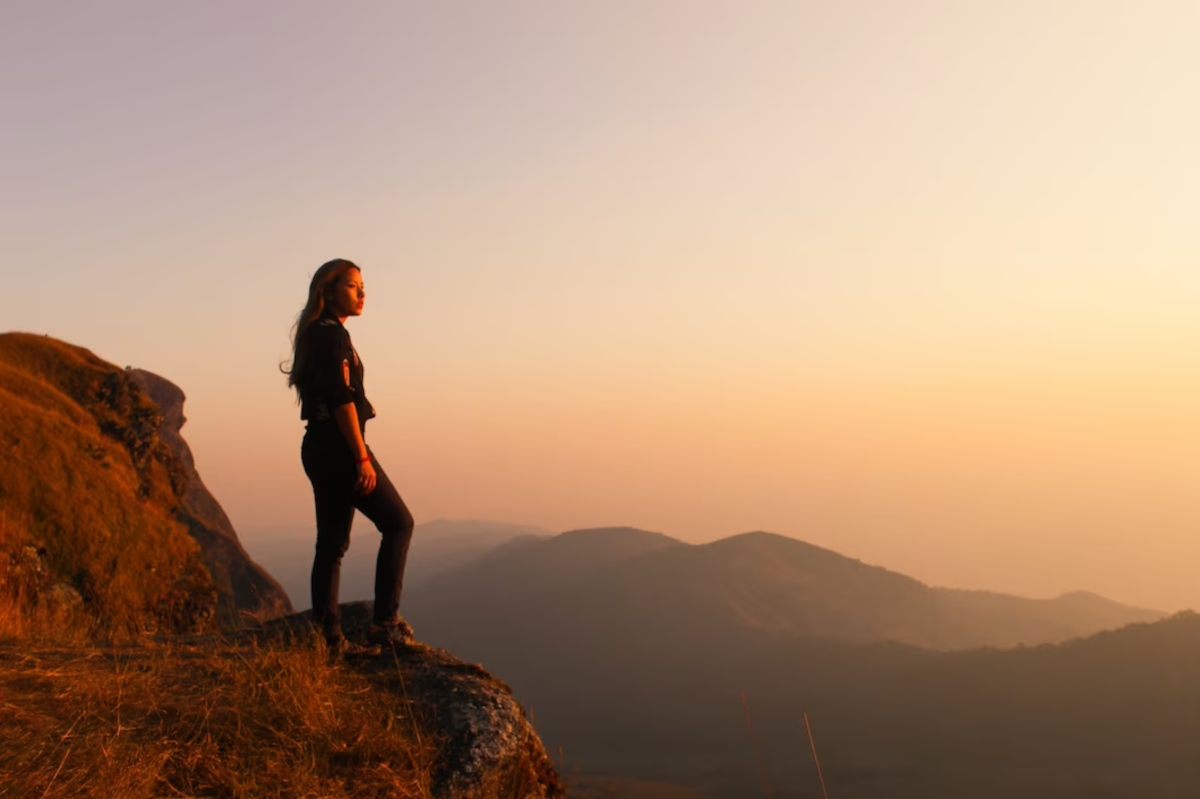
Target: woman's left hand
<point>366,478</point>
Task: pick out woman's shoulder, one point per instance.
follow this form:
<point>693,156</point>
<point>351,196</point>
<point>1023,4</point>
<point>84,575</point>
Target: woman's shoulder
<point>327,323</point>
<point>327,329</point>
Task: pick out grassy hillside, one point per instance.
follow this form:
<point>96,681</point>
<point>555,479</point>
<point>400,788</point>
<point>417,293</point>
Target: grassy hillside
<point>87,487</point>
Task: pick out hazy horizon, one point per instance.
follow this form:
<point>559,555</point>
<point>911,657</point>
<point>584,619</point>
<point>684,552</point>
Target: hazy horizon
<point>918,285</point>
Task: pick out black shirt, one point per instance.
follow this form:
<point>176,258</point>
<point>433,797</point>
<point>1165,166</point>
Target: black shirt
<point>332,374</point>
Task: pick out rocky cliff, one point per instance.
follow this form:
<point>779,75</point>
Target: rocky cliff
<point>98,481</point>
<point>106,530</point>
<point>245,588</point>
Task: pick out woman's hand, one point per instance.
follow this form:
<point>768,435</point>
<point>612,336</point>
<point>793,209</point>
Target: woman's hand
<point>366,478</point>
<point>347,419</point>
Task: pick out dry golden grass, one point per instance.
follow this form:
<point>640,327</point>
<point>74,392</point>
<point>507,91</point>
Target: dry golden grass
<point>70,434</point>
<point>88,706</point>
<point>213,720</point>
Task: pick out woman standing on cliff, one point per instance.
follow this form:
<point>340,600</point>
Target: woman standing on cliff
<point>328,378</point>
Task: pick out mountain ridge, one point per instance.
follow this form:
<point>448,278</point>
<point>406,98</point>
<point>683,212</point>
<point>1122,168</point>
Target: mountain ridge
<point>650,690</point>
<point>758,580</point>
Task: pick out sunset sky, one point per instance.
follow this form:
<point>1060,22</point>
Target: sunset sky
<point>915,281</point>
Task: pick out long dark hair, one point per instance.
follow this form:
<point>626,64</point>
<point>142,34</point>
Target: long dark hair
<point>325,278</point>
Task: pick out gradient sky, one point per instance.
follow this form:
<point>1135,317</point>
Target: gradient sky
<point>917,281</point>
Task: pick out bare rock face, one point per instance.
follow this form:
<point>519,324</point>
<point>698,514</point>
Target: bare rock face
<point>245,589</point>
<point>489,748</point>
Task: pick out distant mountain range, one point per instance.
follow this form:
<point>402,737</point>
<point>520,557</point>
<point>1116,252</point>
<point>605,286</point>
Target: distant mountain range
<point>629,581</point>
<point>1113,715</point>
<point>634,651</point>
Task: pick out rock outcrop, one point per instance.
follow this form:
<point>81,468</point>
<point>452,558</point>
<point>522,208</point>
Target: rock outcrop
<point>244,588</point>
<point>88,483</point>
<point>488,746</point>
<point>105,524</point>
<point>96,475</point>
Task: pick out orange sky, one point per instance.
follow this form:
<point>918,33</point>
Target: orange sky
<point>916,282</point>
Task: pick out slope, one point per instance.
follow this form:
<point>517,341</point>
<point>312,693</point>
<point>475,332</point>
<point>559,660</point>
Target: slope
<point>87,484</point>
<point>246,588</point>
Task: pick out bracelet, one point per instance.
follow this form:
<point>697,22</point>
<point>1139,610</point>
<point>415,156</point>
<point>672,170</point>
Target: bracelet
<point>364,460</point>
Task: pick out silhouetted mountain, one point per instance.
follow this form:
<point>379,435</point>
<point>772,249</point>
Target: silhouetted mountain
<point>634,657</point>
<point>444,544</point>
<point>1113,715</point>
<point>532,566</point>
<point>635,583</point>
<point>987,618</point>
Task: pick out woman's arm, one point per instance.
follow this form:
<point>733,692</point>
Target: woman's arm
<point>347,421</point>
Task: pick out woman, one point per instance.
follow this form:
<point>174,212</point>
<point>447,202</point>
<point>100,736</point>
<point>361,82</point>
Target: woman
<point>328,378</point>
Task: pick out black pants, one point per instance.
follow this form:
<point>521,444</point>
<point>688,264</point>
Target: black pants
<point>329,464</point>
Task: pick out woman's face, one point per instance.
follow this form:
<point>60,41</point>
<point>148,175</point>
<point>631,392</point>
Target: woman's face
<point>347,294</point>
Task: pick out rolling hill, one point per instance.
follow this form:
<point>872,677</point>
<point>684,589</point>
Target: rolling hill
<point>628,582</point>
<point>635,651</point>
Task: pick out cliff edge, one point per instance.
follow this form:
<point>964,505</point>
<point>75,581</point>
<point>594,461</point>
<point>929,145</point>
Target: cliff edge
<point>90,494</point>
<point>244,587</point>
<point>486,745</point>
<point>97,480</point>
<point>107,534</point>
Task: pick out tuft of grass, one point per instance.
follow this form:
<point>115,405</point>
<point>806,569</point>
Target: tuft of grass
<point>231,720</point>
